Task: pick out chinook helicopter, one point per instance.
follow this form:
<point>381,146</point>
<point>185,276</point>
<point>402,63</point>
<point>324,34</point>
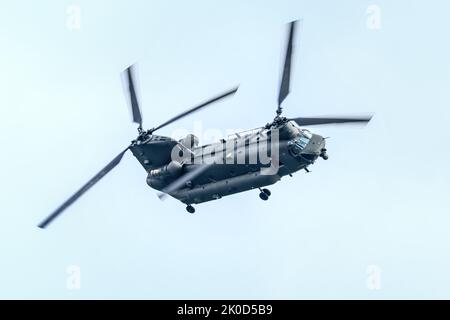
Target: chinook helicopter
<point>247,160</point>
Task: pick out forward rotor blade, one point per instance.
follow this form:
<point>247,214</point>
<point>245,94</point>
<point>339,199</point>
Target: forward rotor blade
<point>130,80</point>
<point>83,189</point>
<point>181,181</point>
<point>286,77</point>
<point>331,120</point>
<point>196,108</point>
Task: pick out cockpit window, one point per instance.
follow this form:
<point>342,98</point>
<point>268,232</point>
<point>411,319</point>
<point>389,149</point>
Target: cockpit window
<point>302,142</point>
<point>298,144</point>
<point>306,133</point>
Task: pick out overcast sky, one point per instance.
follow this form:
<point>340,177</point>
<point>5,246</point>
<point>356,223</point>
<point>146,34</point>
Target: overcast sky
<point>371,222</point>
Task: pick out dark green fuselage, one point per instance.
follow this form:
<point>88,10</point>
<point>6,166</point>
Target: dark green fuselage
<point>247,161</point>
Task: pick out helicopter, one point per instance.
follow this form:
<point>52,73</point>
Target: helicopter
<point>248,160</point>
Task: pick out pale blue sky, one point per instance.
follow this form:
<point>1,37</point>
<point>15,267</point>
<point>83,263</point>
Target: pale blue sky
<point>381,199</point>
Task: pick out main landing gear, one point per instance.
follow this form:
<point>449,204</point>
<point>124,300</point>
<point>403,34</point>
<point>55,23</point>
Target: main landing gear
<point>264,194</point>
<point>190,209</point>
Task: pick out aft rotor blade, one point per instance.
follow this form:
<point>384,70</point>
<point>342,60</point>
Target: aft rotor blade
<point>181,181</point>
<point>130,80</point>
<point>331,120</point>
<point>83,189</point>
<point>196,108</point>
<point>286,77</point>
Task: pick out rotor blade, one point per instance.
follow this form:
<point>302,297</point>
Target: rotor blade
<point>130,80</point>
<point>331,120</point>
<point>196,108</point>
<point>286,77</point>
<point>83,189</point>
<point>181,181</point>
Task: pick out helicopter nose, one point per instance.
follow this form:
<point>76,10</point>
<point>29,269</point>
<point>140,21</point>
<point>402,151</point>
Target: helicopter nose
<point>315,148</point>
<point>321,149</point>
<point>315,145</point>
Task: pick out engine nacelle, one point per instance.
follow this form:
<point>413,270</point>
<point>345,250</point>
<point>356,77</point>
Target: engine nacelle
<point>157,178</point>
<point>172,169</point>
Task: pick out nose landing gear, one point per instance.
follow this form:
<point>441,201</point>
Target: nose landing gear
<point>264,194</point>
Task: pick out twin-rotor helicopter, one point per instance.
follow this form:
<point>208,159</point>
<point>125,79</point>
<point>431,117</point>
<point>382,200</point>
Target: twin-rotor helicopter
<point>194,174</point>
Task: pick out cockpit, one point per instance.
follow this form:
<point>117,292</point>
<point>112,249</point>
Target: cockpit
<point>299,143</point>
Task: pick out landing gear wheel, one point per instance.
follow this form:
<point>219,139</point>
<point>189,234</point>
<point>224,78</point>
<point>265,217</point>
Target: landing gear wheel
<point>266,191</point>
<point>263,196</point>
<point>190,209</point>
